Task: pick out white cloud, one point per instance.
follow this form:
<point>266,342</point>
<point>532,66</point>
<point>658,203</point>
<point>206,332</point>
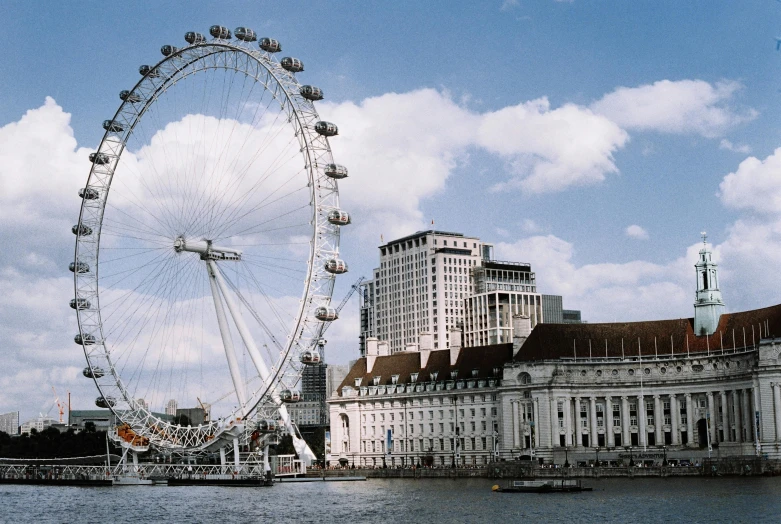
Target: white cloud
<point>737,148</point>
<point>755,185</point>
<point>679,107</point>
<point>635,231</point>
<point>401,148</point>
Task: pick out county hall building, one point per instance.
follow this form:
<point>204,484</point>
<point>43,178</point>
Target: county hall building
<point>674,390</point>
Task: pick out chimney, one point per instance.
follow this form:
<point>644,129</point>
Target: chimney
<point>383,349</point>
<point>522,327</point>
<point>424,354</point>
<point>411,347</point>
<point>371,353</point>
<point>426,341</point>
<point>455,345</point>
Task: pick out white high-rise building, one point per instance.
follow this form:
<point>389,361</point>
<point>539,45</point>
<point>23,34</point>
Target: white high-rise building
<point>170,407</point>
<point>420,287</point>
<point>9,423</point>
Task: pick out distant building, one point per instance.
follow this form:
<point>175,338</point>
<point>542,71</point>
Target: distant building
<point>39,423</point>
<point>420,287</point>
<point>103,419</point>
<point>195,416</point>
<point>571,316</point>
<point>170,407</point>
<point>552,309</point>
<point>9,423</point>
<point>317,384</point>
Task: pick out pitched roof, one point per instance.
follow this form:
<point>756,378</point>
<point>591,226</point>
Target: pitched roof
<point>483,358</point>
<point>662,337</point>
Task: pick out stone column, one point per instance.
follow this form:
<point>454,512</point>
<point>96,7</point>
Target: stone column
<point>610,439</point>
<point>675,414</point>
<point>724,411</point>
<point>777,408</point>
<point>554,423</point>
<point>626,438</point>
<point>577,436</point>
<point>747,415</point>
<point>641,415</point>
<point>689,420</point>
<point>568,421</point>
<point>752,414</point>
<point>658,420</point>
<point>593,439</point>
<point>516,426</point>
<point>536,420</point>
<point>736,415</point>
<point>712,416</point>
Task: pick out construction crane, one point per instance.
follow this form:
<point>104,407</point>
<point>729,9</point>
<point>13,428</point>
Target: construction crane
<point>60,405</point>
<point>344,301</point>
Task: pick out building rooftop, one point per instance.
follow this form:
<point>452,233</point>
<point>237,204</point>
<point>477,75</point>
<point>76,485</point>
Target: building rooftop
<point>648,339</point>
<point>483,358</point>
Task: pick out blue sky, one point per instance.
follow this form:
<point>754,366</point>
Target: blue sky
<point>549,128</point>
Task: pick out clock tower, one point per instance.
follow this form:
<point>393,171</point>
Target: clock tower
<point>708,305</point>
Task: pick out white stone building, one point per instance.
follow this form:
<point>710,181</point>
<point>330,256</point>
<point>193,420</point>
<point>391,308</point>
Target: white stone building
<point>38,423</point>
<point>676,390</point>
<point>9,423</point>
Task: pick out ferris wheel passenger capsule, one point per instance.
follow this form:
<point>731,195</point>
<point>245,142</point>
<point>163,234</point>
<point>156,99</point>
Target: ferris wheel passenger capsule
<point>80,230</point>
<point>294,65</point>
<point>310,358</point>
<point>246,34</point>
<point>152,72</point>
<point>78,267</point>
<point>112,126</point>
<point>335,266</point>
<point>289,396</point>
<point>336,171</point>
<point>326,314</point>
<point>88,193</point>
<point>221,32</point>
<point>326,128</point>
<point>129,96</point>
<point>267,426</point>
<point>338,217</point>
<point>98,158</point>
<point>311,92</point>
<point>191,37</point>
<point>80,303</point>
<point>270,45</point>
<point>168,50</point>
<point>105,402</point>
<point>87,340</point>
<point>321,342</point>
<point>93,372</point>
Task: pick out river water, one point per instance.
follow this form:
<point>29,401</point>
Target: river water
<point>402,501</point>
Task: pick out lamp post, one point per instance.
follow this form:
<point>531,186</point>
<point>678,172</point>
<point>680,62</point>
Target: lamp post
<point>597,451</point>
<point>566,457</point>
<point>631,458</point>
<point>456,439</point>
<point>664,462</point>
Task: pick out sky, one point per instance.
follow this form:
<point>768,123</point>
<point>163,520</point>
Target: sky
<point>594,140</point>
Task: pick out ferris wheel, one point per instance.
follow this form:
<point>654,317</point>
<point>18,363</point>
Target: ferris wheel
<point>208,242</point>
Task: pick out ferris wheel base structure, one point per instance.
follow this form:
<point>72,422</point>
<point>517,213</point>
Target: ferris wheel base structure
<point>219,169</point>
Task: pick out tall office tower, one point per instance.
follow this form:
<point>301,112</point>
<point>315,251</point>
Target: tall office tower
<point>420,287</point>
<point>170,407</point>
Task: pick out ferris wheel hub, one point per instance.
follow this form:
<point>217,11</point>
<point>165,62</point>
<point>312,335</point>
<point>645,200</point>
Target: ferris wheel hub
<point>206,249</point>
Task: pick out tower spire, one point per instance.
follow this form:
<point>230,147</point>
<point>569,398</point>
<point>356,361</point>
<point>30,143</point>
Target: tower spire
<point>708,305</point>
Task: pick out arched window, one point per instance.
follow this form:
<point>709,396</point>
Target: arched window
<point>524,378</point>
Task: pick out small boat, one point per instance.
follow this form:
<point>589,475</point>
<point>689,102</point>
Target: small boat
<point>542,486</point>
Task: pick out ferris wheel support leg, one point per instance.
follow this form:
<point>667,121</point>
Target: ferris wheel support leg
<point>227,341</point>
<point>236,457</point>
<point>249,342</point>
<point>223,459</point>
<point>266,466</point>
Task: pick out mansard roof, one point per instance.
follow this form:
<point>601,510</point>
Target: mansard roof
<point>648,339</point>
<point>483,358</point>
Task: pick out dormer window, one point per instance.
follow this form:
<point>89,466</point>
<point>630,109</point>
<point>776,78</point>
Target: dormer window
<point>496,372</point>
<point>375,381</point>
<point>434,376</point>
<point>475,372</point>
<point>394,379</point>
<point>413,377</point>
<point>454,374</point>
<point>358,382</point>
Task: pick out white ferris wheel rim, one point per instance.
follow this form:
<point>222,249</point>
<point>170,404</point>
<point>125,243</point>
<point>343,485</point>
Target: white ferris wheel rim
<point>323,242</point>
